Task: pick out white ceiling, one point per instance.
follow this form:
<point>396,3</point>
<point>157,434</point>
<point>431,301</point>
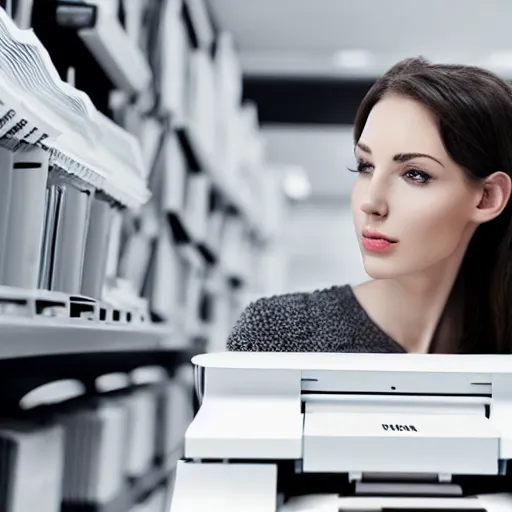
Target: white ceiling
<point>303,36</point>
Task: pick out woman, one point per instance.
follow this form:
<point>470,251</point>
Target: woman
<point>432,213</point>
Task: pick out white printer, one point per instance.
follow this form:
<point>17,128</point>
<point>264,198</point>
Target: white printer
<point>348,432</point>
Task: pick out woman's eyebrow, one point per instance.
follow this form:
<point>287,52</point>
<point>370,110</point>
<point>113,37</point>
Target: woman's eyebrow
<point>364,148</point>
<point>401,157</point>
<point>405,157</point>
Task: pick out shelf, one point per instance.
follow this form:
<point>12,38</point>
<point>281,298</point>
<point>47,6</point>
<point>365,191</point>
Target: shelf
<point>28,337</point>
<point>41,322</point>
<point>201,162</point>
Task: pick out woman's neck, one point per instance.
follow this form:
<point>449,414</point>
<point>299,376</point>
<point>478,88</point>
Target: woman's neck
<point>408,309</point>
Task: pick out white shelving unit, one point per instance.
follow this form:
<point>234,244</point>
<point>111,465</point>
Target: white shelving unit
<point>130,239</point>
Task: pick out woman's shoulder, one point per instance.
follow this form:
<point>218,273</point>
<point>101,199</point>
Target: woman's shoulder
<point>292,322</point>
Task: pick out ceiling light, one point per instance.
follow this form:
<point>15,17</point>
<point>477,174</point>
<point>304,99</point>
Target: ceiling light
<point>296,184</point>
<point>353,59</point>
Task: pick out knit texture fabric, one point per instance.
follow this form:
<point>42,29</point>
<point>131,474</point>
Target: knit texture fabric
<point>330,320</point>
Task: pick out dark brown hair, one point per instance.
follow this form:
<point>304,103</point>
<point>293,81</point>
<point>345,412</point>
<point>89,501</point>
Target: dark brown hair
<point>474,111</point>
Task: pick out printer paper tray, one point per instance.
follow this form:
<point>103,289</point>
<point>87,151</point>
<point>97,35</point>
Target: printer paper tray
<point>334,503</point>
<point>380,442</point>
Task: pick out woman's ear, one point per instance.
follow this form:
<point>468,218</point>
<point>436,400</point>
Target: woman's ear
<point>495,194</point>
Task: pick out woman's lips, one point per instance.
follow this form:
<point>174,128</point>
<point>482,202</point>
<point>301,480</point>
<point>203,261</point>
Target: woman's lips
<point>376,244</point>
<point>373,241</point>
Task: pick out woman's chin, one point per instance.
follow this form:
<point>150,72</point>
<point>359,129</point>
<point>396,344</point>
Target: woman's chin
<point>383,269</point>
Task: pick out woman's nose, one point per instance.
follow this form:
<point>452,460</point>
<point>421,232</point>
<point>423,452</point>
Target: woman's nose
<point>374,201</point>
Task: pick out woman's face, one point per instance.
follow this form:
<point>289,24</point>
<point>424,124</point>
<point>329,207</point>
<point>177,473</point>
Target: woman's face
<point>412,204</point>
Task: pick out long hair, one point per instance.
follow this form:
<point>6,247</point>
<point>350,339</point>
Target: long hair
<point>474,111</point>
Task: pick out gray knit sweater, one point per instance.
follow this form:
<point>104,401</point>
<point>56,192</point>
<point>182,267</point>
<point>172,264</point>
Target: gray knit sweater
<point>330,320</point>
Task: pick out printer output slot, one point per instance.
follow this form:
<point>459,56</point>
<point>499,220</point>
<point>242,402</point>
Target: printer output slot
<point>391,402</point>
<point>308,398</point>
<point>478,392</point>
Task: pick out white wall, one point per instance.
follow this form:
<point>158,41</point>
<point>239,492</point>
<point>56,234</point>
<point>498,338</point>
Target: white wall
<point>321,247</point>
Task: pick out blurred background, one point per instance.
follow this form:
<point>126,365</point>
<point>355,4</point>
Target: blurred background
<point>162,164</point>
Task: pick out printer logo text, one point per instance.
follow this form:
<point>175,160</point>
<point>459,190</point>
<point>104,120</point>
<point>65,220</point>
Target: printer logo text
<point>399,428</point>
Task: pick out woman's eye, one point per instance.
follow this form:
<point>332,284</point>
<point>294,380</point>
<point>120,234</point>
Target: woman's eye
<point>420,177</point>
<point>362,167</point>
<point>414,175</point>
